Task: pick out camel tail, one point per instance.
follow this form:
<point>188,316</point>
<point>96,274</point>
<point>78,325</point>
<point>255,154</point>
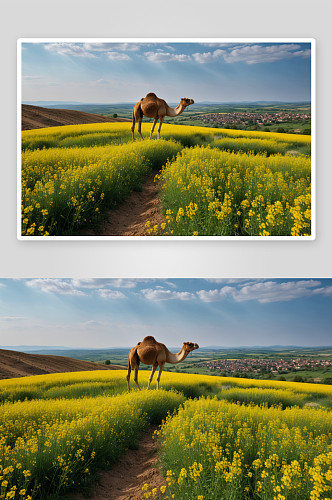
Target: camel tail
<point>140,112</point>
<point>137,112</point>
<point>133,359</point>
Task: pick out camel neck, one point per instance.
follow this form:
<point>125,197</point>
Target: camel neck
<point>176,358</point>
<point>175,111</point>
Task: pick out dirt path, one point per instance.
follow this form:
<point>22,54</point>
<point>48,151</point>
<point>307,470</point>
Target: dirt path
<point>130,217</point>
<point>126,478</point>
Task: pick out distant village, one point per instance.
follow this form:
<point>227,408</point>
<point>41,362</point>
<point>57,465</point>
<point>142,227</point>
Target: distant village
<point>264,119</point>
<point>265,365</point>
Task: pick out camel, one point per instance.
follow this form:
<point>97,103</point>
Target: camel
<point>151,352</point>
<point>153,107</point>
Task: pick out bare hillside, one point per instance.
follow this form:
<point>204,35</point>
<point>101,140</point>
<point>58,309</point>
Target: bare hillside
<point>38,117</point>
<point>20,364</point>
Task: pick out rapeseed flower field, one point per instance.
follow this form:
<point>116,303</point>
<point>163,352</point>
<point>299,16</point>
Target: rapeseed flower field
<point>219,450</point>
<point>214,182</point>
<point>64,189</point>
<point>57,430</point>
<point>50,445</point>
<point>206,191</point>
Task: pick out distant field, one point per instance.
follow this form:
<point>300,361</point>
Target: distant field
<point>203,354</point>
<point>127,108</point>
<point>289,126</point>
<point>125,111</point>
<point>192,363</point>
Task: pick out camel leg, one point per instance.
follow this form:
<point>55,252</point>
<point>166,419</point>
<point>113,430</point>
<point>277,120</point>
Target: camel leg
<point>154,367</point>
<point>161,367</point>
<point>153,126</point>
<point>136,377</point>
<point>139,128</point>
<point>160,124</point>
<point>128,377</point>
<point>133,128</point>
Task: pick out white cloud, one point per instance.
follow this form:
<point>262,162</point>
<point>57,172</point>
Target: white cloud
<point>206,57</point>
<point>230,280</point>
<point>267,291</point>
<point>218,44</point>
<point>324,291</point>
<point>169,283</point>
<point>253,54</point>
<point>69,49</point>
<point>103,282</point>
<point>165,57</point>
<point>106,47</point>
<point>118,57</point>
<point>158,295</point>
<point>49,285</point>
<point>215,295</point>
<point>110,294</point>
<point>169,47</point>
<point>271,291</point>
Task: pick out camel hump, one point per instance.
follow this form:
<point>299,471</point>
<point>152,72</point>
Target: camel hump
<point>151,94</point>
<point>149,340</point>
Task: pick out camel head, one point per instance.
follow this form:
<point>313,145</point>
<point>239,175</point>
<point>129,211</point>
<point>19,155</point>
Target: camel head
<point>190,346</point>
<point>186,102</point>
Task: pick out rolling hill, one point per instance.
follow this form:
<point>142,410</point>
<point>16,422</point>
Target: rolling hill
<point>37,117</point>
<point>20,364</point>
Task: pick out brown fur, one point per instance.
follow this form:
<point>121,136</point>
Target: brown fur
<point>151,352</point>
<point>153,107</point>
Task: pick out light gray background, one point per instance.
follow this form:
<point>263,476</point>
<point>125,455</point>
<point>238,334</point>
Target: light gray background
<point>165,18</point>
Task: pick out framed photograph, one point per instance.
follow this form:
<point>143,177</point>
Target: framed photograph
<point>166,139</point>
<point>204,389</point>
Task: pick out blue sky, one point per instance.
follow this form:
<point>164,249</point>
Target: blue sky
<point>222,71</point>
<point>105,312</point>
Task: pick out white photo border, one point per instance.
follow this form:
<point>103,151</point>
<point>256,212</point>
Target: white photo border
<point>312,41</point>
